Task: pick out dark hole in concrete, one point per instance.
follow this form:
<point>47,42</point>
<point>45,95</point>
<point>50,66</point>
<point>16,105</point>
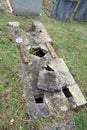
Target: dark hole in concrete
<point>67,92</point>
<point>49,68</point>
<point>39,99</point>
<point>37,51</point>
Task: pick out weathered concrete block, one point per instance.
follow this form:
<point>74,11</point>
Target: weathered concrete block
<point>77,95</point>
<point>27,7</point>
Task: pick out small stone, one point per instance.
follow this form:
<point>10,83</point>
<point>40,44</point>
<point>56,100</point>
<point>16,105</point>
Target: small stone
<point>19,40</point>
<point>14,24</point>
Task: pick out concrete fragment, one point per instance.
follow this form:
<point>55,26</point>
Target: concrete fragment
<point>14,24</point>
<point>77,95</point>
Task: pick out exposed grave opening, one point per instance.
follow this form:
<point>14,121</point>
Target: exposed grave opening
<point>39,99</point>
<point>49,68</point>
<point>38,52</point>
<point>67,92</point>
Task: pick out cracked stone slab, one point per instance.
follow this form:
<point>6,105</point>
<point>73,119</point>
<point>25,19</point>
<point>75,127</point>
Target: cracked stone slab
<point>77,95</point>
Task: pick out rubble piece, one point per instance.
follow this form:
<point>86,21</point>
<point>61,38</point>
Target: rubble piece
<point>69,125</point>
<point>50,80</point>
<point>41,33</point>
<point>1,7</point>
<point>14,24</point>
<point>58,64</point>
<point>52,51</point>
<point>77,95</point>
<point>56,102</point>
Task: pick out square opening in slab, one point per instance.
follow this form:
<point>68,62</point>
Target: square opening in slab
<point>39,99</point>
<point>37,51</point>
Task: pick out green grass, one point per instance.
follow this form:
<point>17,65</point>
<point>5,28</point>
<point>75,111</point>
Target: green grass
<point>70,43</point>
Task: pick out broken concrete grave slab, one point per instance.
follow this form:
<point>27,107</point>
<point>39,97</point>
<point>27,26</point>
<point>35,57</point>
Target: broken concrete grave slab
<point>49,85</point>
<point>27,7</point>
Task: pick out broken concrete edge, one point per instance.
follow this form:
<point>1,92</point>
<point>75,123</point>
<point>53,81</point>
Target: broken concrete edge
<point>77,95</point>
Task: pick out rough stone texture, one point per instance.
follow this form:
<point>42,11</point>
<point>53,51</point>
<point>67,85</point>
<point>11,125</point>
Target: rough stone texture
<point>77,95</point>
<point>37,111</point>
<point>14,24</point>
<point>27,7</point>
<point>1,7</point>
<point>56,102</point>
<point>69,125</point>
<point>51,81</point>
